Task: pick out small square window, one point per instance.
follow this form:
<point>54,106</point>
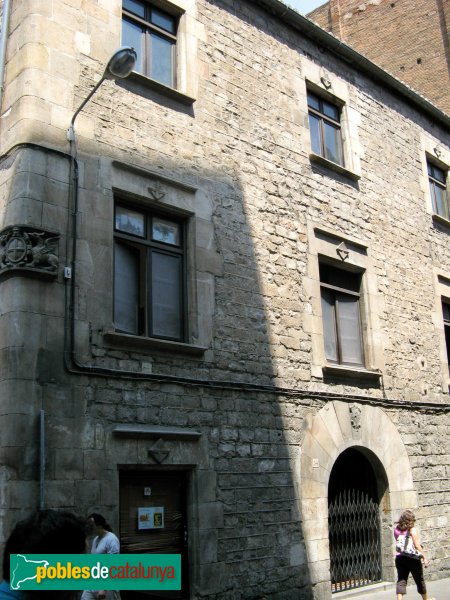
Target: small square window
<point>340,296</point>
<point>149,274</point>
<point>325,129</point>
<point>437,179</point>
<point>152,32</point>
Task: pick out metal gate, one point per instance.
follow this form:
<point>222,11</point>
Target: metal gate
<point>354,533</point>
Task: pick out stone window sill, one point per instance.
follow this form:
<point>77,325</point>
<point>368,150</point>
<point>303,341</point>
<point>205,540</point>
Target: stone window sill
<point>441,220</point>
<point>135,342</point>
<point>165,90</point>
<point>316,158</point>
<point>350,372</point>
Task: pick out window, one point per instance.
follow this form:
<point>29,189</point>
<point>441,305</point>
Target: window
<point>340,294</point>
<point>149,274</point>
<point>438,191</point>
<point>325,129</point>
<point>446,313</point>
<point>151,31</point>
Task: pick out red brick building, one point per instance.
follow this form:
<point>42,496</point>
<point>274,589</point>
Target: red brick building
<point>408,38</point>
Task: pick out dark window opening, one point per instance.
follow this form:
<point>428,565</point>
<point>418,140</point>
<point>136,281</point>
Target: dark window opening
<point>149,274</point>
<point>446,313</point>
<point>438,189</point>
<point>152,32</point>
<point>325,129</point>
<point>340,295</point>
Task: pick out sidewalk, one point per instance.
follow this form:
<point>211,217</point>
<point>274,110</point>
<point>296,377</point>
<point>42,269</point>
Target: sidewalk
<point>439,589</point>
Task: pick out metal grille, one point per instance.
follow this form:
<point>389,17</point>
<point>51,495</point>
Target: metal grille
<point>354,529</point>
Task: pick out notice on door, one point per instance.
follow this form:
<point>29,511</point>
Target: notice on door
<point>151,517</point>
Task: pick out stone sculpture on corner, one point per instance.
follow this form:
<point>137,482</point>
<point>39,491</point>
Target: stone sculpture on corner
<point>26,250</point>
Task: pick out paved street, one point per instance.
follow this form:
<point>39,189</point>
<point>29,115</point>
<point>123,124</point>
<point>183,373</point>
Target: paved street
<point>439,590</point>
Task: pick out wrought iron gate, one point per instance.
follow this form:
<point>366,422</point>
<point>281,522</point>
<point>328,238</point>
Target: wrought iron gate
<point>354,530</point>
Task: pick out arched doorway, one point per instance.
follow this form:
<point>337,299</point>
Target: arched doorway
<point>337,427</point>
<point>354,522</point>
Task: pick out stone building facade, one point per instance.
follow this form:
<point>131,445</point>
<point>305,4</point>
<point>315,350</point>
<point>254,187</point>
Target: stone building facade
<point>408,38</point>
<point>227,296</point>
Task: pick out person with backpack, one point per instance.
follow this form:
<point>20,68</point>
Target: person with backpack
<point>409,556</point>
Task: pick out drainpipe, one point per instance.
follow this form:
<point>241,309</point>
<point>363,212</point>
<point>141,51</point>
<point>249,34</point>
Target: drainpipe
<point>3,39</point>
<point>42,459</point>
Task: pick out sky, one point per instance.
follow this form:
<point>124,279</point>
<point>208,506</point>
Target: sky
<point>304,6</point>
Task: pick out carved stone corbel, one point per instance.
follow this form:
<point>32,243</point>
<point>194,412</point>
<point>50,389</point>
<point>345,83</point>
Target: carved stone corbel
<point>29,251</point>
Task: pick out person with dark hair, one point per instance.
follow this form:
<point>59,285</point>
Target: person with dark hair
<point>104,542</point>
<point>43,532</point>
<point>406,536</point>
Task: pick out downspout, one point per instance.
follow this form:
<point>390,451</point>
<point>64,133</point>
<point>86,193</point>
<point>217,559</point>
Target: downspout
<point>42,459</point>
<point>3,40</point>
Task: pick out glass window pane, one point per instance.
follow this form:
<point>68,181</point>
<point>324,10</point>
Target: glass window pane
<point>346,280</point>
<point>447,343</point>
<point>349,330</point>
<point>437,173</point>
<point>329,328</point>
<point>161,60</point>
<point>313,101</point>
<point>166,295</point>
<point>163,20</point>
<point>134,6</point>
<point>333,147</point>
<point>126,288</point>
<point>167,232</point>
<point>133,35</point>
<point>440,200</point>
<point>130,221</point>
<point>331,111</point>
<point>314,128</point>
<point>446,311</point>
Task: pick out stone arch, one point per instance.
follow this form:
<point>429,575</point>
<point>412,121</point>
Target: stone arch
<point>336,427</point>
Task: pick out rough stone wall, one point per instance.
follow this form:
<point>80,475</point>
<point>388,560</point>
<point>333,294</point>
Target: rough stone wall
<point>243,148</point>
<point>426,440</point>
<point>408,38</point>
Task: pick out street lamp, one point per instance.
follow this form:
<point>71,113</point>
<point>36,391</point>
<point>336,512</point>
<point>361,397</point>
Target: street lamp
<point>119,66</point>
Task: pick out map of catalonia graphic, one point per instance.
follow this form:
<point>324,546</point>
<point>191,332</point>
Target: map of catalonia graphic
<point>25,570</point>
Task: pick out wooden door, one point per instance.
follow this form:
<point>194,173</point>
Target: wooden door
<point>162,493</point>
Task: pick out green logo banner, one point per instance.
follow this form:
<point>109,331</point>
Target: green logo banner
<point>95,572</point>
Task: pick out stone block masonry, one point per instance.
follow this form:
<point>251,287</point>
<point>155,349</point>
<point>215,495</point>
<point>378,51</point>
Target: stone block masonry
<point>238,425</point>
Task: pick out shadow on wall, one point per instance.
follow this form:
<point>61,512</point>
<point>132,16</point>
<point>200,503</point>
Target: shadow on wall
<point>245,529</point>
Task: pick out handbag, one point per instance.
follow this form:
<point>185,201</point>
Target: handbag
<point>404,545</point>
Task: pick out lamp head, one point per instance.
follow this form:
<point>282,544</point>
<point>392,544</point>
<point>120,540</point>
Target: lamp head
<point>121,63</point>
<point>119,66</point>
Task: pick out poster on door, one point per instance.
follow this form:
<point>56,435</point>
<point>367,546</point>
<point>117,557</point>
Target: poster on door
<point>151,517</point>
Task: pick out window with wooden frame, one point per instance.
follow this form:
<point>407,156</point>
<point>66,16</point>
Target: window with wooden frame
<point>446,315</point>
<point>325,128</point>
<point>149,273</point>
<point>437,179</point>
<point>151,30</point>
<point>340,297</point>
